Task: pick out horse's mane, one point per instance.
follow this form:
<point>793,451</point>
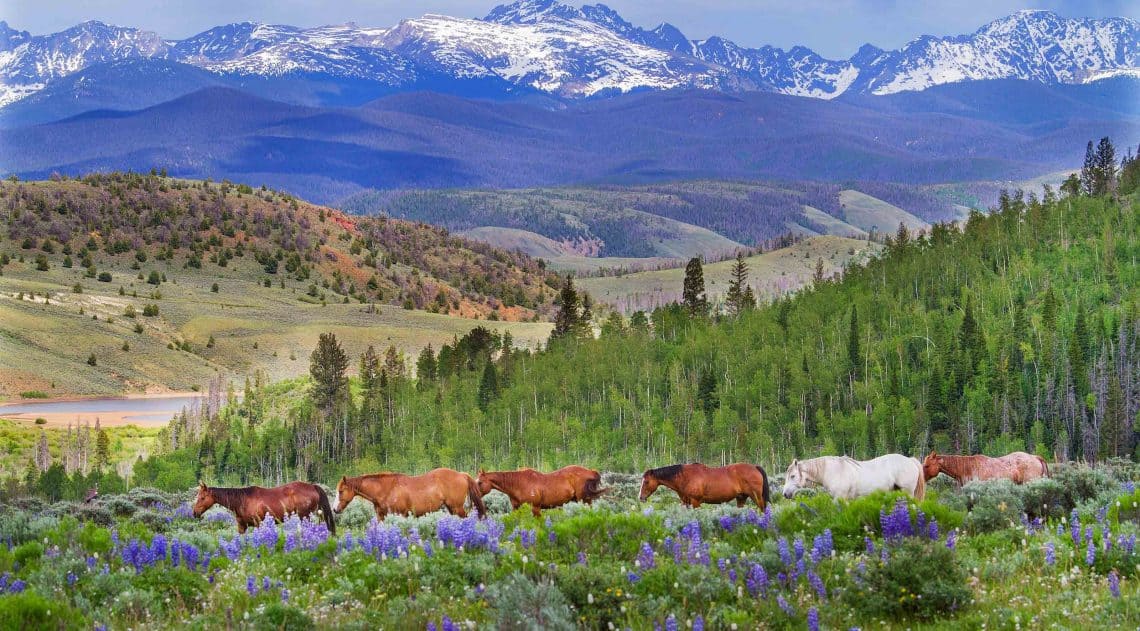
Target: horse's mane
<point>510,477</point>
<point>226,495</point>
<point>667,473</point>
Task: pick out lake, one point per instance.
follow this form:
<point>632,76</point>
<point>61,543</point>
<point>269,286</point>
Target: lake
<point>141,409</point>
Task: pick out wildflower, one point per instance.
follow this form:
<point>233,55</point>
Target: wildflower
<point>783,603</point>
<point>757,580</point>
<point>17,586</point>
<point>699,623</point>
<point>1114,584</point>
<point>251,586</point>
<point>1090,553</point>
<point>671,623</point>
<point>870,545</point>
<point>448,625</point>
<point>646,559</point>
<point>727,522</point>
<point>71,579</point>
<point>798,546</point>
<point>785,554</point>
<point>1050,553</point>
<point>822,546</point>
<point>932,530</point>
<point>817,584</point>
<point>813,619</point>
<point>284,595</point>
<point>581,558</point>
<point>952,539</point>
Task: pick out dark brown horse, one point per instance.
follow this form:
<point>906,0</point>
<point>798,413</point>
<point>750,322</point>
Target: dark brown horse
<point>412,494</point>
<point>1018,466</point>
<point>252,503</point>
<point>544,490</point>
<point>696,483</point>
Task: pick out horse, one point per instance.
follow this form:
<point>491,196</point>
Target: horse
<point>544,490</point>
<point>412,494</point>
<point>252,503</point>
<point>696,483</point>
<point>1018,466</point>
<point>846,478</point>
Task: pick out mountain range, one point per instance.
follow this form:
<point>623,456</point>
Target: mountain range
<point>537,50</point>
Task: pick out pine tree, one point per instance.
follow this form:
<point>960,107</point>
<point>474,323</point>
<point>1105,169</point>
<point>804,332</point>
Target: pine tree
<point>1088,171</point>
<point>488,386</point>
<point>854,354</point>
<point>735,299</point>
<point>369,370</point>
<point>706,392</point>
<point>102,447</point>
<point>586,318</point>
<point>566,321</point>
<point>327,367</point>
<point>693,295</point>
<point>1104,165</point>
<point>394,363</point>
<point>426,366</point>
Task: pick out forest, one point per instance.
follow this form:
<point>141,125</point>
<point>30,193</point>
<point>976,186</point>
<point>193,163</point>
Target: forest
<point>1017,330</point>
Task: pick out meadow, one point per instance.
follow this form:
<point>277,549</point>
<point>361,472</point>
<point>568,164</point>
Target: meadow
<point>1055,553</point>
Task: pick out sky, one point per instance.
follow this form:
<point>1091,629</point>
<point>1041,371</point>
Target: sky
<point>833,28</point>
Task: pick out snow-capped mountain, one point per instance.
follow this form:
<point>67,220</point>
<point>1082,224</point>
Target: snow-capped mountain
<point>571,52</point>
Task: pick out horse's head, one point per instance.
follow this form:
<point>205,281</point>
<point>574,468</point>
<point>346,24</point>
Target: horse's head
<point>204,500</point>
<point>649,484</point>
<point>794,479</point>
<point>484,482</point>
<point>344,494</point>
<point>931,466</point>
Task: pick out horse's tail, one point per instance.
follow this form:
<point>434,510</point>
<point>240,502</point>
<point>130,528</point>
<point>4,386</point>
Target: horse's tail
<point>326,509</point>
<point>767,492</point>
<point>475,497</point>
<point>1044,466</point>
<point>920,485</point>
<point>592,489</point>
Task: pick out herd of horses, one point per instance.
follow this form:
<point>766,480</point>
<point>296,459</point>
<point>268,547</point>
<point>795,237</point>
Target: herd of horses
<point>400,494</point>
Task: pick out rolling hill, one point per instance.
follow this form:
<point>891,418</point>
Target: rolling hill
<point>241,280</point>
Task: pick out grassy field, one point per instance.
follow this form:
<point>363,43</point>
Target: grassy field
<point>875,215</point>
<point>989,556</point>
<point>771,274</point>
<point>45,344</point>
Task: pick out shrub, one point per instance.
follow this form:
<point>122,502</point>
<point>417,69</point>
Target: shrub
<point>1125,508</point>
<point>279,617</point>
<point>33,394</point>
<point>28,552</point>
<point>104,277</point>
<point>521,603</point>
<point>1082,484</point>
<point>120,506</point>
<point>29,610</point>
<point>150,311</point>
<point>920,579</point>
<point>95,539</point>
<point>992,505</point>
<point>1045,497</point>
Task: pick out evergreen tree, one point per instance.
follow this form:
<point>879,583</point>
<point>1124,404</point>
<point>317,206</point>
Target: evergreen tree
<point>706,392</point>
<point>854,354</point>
<point>426,366</point>
<point>693,295</point>
<point>488,386</point>
<point>736,300</point>
<point>1088,171</point>
<point>1104,182</point>
<point>586,318</point>
<point>369,370</point>
<point>394,363</point>
<point>102,447</point>
<point>327,367</point>
<point>566,321</point>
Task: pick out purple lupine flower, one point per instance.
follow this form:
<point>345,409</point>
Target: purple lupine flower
<point>448,625</point>
<point>727,523</point>
<point>284,595</point>
<point>158,548</point>
<point>821,546</point>
<point>952,539</point>
<point>4,578</point>
<point>699,623</point>
<point>785,553</point>
<point>870,545</point>
<point>757,580</point>
<point>783,603</point>
<point>1050,553</point>
<point>251,586</point>
<point>431,626</point>
<point>932,530</point>
<point>646,559</point>
<point>671,623</point>
<point>17,586</point>
<point>72,579</point>
<point>817,584</point>
<point>633,578</point>
<point>1090,553</point>
<point>581,558</point>
<point>1075,527</point>
<point>91,561</point>
<point>1114,584</point>
<point>813,619</point>
<point>798,546</point>
<point>266,584</point>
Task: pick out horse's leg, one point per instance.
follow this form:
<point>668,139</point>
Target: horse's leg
<point>694,502</point>
<point>740,499</point>
<point>535,510</point>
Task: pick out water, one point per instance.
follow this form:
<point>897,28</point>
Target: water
<point>121,410</point>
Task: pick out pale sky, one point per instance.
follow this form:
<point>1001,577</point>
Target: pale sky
<point>833,28</point>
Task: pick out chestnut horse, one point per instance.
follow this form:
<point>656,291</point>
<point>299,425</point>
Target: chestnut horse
<point>1018,466</point>
<point>544,490</point>
<point>252,503</point>
<point>412,494</point>
<point>696,483</point>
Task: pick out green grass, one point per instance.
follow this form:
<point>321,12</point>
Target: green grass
<point>18,441</point>
<point>771,274</point>
<point>874,215</point>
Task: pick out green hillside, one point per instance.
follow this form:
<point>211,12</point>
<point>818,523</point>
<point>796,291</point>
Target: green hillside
<point>874,215</point>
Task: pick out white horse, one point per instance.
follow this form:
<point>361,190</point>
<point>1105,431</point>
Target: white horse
<point>846,478</point>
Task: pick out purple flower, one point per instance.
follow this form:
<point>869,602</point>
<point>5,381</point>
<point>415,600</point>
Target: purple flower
<point>448,625</point>
<point>17,586</point>
<point>671,623</point>
<point>798,546</point>
<point>727,522</point>
<point>1090,553</point>
<point>783,603</point>
<point>817,584</point>
<point>251,586</point>
<point>822,546</point>
<point>932,530</point>
<point>1075,527</point>
<point>757,580</point>
<point>284,595</point>
<point>952,539</point>
<point>1050,553</point>
<point>1114,584</point>
<point>72,579</point>
<point>870,545</point>
<point>633,578</point>
<point>581,558</point>
<point>813,619</point>
<point>646,559</point>
<point>785,553</point>
<point>699,623</point>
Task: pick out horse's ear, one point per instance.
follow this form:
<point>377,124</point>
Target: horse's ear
<point>481,471</point>
<point>201,485</point>
<point>795,461</point>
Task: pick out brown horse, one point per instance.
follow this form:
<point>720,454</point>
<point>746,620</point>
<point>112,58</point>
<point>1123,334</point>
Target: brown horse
<point>252,503</point>
<point>544,490</point>
<point>1018,466</point>
<point>695,483</point>
<point>412,494</point>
